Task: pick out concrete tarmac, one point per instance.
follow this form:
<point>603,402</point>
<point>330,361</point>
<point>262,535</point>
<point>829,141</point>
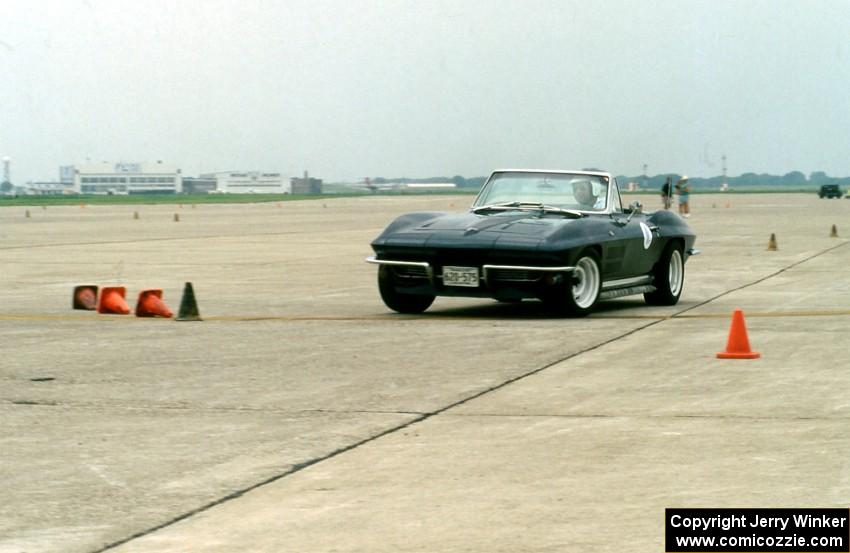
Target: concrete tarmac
<point>302,415</point>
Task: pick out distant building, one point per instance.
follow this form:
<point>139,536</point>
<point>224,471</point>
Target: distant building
<point>47,188</point>
<point>431,185</point>
<point>306,185</point>
<point>122,178</point>
<point>248,182</point>
<point>199,185</point>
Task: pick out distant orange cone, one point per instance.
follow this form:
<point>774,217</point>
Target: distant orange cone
<point>738,345</point>
<point>111,300</point>
<point>150,304</point>
<point>85,297</point>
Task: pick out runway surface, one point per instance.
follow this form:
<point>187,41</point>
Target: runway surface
<point>302,415</point>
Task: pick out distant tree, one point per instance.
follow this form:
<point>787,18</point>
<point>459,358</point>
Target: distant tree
<point>819,177</point>
<point>711,183</point>
<point>475,182</point>
<point>794,177</point>
<point>752,179</point>
<point>6,186</point>
<point>459,181</point>
<point>745,179</point>
<point>434,180</point>
<point>655,182</point>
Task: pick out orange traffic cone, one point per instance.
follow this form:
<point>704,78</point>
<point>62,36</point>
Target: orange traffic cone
<point>85,297</point>
<point>111,300</point>
<point>150,304</point>
<point>738,345</point>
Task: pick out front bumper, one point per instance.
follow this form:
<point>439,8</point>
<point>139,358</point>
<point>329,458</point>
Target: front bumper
<point>492,276</point>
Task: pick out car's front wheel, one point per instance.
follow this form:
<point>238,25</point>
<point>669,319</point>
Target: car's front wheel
<point>579,294</point>
<point>668,277</point>
<point>399,301</point>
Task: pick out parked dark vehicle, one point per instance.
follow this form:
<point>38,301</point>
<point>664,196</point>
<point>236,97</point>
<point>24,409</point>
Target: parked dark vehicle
<point>829,191</point>
<point>559,236</point>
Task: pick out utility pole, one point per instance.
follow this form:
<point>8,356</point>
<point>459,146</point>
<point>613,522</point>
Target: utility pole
<point>6,185</point>
<point>645,176</point>
<point>725,185</point>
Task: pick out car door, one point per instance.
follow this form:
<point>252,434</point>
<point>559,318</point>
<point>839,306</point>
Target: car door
<point>634,239</point>
<point>643,245</point>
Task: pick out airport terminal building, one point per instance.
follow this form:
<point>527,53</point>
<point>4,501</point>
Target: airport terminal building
<point>122,178</point>
<point>248,182</point>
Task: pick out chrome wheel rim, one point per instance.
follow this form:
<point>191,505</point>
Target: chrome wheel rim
<point>676,272</point>
<point>585,282</point>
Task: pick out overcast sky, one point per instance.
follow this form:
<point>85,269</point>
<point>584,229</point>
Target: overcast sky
<point>352,88</point>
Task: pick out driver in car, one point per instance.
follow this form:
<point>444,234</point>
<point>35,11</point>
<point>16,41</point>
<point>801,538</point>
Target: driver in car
<point>583,193</point>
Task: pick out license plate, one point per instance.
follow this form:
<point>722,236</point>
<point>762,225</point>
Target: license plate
<point>460,276</point>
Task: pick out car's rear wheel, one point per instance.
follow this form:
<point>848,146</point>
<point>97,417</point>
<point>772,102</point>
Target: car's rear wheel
<point>399,301</point>
<point>578,295</point>
<point>668,277</point>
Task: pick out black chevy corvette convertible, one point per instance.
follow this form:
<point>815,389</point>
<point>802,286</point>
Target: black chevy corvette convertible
<point>563,237</point>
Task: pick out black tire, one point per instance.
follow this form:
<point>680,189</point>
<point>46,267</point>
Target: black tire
<point>668,277</point>
<point>577,296</point>
<point>398,301</point>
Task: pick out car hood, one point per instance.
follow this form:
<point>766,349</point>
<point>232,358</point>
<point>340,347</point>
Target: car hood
<point>509,230</point>
<point>527,224</point>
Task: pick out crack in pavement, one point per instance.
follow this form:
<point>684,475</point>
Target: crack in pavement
<point>657,417</point>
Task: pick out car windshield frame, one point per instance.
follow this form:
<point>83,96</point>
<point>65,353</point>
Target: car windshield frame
<point>542,189</point>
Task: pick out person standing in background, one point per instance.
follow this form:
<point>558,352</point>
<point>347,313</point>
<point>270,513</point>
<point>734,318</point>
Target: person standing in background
<point>667,193</point>
<point>684,192</point>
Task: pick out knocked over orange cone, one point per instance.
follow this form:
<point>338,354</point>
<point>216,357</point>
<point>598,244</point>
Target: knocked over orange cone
<point>738,345</point>
<point>85,297</point>
<point>111,300</point>
<point>150,304</point>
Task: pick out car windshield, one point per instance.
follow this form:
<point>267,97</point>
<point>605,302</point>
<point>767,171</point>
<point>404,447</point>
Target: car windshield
<point>564,190</point>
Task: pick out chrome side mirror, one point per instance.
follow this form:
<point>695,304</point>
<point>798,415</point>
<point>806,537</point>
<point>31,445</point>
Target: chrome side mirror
<point>634,207</point>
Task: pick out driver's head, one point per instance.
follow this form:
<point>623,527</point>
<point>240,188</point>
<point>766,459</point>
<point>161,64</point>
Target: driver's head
<point>583,193</point>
